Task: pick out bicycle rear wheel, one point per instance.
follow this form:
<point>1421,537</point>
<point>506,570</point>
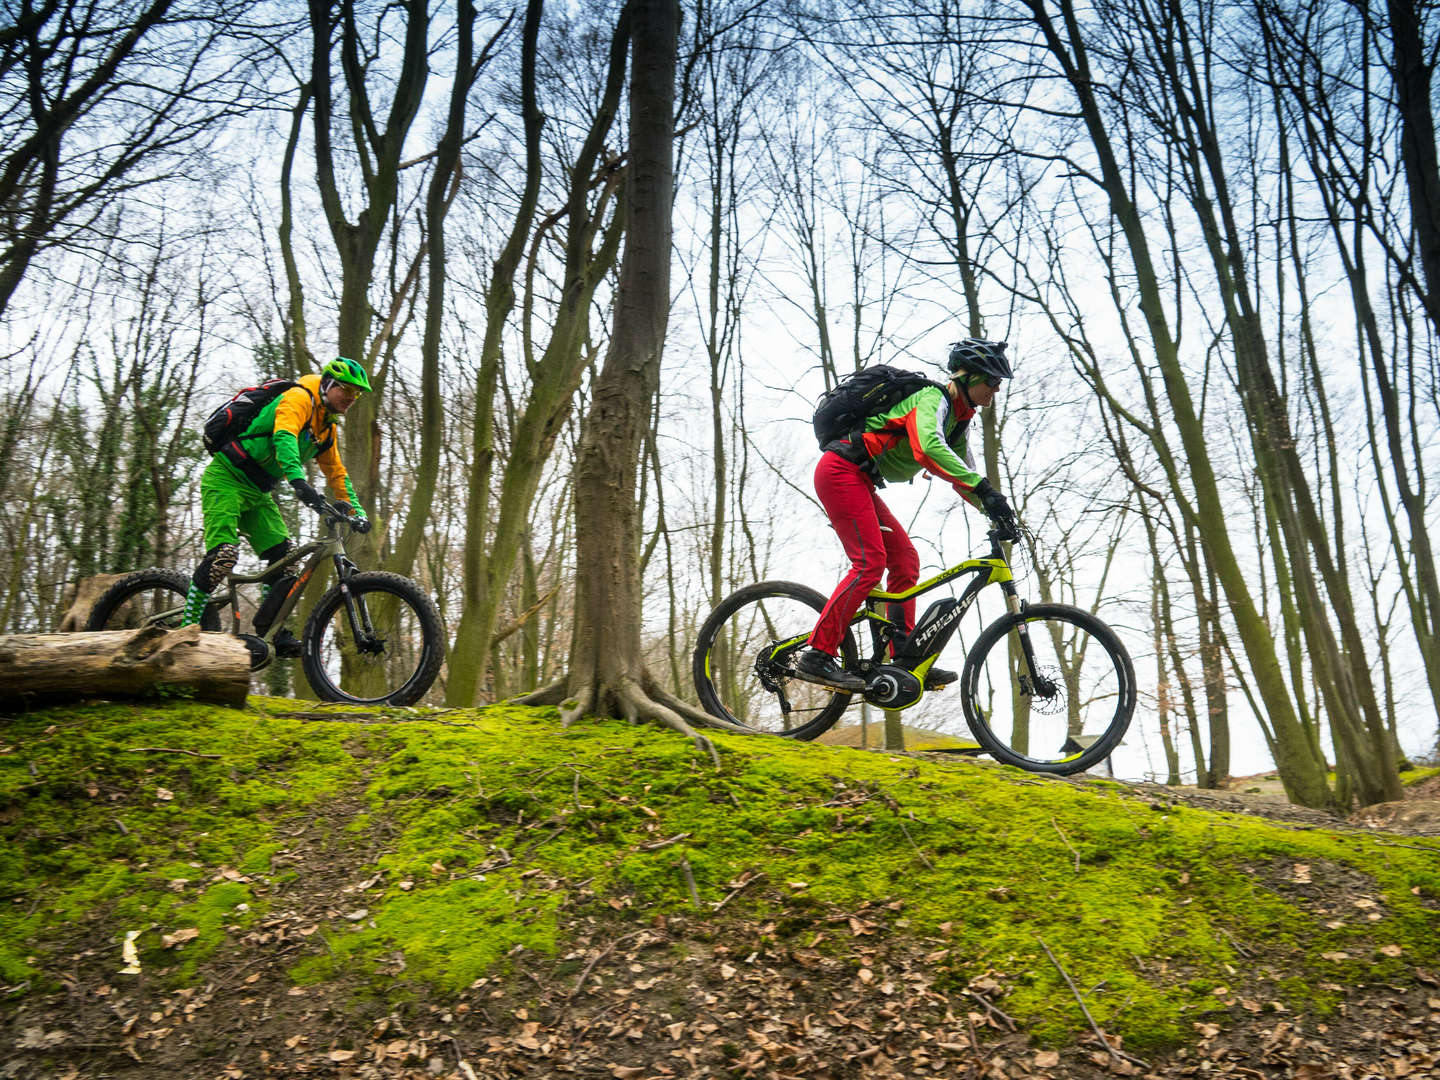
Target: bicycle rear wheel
<point>1071,711</point>
<point>744,662</point>
<point>147,598</point>
<point>377,641</point>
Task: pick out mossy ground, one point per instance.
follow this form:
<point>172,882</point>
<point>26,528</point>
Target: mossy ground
<point>427,852</point>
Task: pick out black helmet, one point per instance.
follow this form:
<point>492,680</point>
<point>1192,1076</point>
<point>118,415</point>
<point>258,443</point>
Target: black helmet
<point>980,357</point>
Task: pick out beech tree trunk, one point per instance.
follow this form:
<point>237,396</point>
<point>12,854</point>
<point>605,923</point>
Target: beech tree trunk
<point>607,671</point>
<point>40,669</point>
<point>605,651</point>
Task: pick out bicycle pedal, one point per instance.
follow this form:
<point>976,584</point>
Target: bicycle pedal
<point>260,654</point>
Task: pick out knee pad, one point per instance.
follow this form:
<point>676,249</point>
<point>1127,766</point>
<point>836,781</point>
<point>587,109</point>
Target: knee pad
<point>272,555</point>
<point>215,566</point>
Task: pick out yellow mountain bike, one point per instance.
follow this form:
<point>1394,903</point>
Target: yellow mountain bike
<point>1047,687</point>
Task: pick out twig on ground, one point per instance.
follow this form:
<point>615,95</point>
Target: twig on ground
<point>543,840</point>
<point>597,958</point>
<point>739,889</point>
<point>1066,840</point>
<point>990,1007</point>
<point>978,1068</point>
<point>690,882</point>
<point>1117,1055</point>
<point>658,844</point>
<point>923,857</point>
<point>169,750</point>
<point>1241,949</point>
<point>580,774</point>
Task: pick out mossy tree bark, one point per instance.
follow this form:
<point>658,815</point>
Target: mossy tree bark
<point>607,672</point>
<point>1302,770</point>
<point>494,533</point>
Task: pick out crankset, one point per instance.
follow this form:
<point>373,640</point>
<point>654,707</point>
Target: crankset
<point>892,687</point>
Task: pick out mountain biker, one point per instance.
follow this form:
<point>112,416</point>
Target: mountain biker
<point>924,431</point>
<point>235,489</point>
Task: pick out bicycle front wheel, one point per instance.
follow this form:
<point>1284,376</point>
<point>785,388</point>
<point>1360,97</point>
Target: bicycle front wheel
<point>744,662</point>
<point>147,598</point>
<point>1051,689</point>
<point>376,639</point>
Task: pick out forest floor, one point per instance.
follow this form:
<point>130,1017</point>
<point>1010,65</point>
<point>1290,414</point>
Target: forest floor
<point>358,895</point>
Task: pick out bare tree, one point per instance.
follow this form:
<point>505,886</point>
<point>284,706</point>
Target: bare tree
<point>606,671</point>
<point>99,99</point>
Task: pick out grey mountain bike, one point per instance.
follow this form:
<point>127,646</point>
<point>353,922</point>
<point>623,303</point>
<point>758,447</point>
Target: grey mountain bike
<point>373,637</point>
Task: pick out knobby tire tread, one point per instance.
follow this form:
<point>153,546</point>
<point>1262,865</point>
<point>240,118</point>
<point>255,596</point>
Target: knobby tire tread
<point>432,635</point>
<point>147,581</point>
<point>1037,614</point>
<point>750,594</point>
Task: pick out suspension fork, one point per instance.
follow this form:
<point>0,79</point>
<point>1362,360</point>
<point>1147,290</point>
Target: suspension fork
<point>1030,675</point>
<point>355,610</point>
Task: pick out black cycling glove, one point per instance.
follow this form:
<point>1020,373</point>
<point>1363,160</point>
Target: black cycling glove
<point>307,494</point>
<point>359,522</point>
<point>997,507</point>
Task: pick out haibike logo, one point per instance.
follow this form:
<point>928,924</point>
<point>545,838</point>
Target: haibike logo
<point>929,633</point>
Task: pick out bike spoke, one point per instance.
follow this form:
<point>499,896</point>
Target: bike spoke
<point>745,664</point>
<point>370,653</point>
<point>1053,693</point>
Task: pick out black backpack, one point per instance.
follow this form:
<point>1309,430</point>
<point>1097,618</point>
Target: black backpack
<point>229,421</point>
<point>868,392</point>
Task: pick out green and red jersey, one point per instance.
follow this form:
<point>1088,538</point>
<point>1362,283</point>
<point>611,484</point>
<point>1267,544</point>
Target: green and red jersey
<point>923,431</point>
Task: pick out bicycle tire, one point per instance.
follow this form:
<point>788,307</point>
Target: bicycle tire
<point>1095,691</point>
<point>332,659</point>
<point>123,606</point>
<point>736,642</point>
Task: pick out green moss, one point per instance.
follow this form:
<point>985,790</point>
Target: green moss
<point>111,812</point>
<point>491,830</point>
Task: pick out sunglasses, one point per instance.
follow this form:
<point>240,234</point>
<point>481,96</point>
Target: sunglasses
<point>991,381</point>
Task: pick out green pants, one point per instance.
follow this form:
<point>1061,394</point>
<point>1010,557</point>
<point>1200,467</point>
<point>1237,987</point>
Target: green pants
<point>234,507</point>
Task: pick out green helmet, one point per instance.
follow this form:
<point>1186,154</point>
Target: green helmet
<point>343,369</point>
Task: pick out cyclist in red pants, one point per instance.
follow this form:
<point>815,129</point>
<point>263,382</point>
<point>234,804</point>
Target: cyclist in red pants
<point>924,431</point>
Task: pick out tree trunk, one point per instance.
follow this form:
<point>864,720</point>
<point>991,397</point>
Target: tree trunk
<point>1302,773</point>
<point>607,672</point>
<point>555,377</point>
<point>605,659</point>
<point>45,668</point>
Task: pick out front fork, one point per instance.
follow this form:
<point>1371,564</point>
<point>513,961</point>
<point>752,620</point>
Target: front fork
<point>361,628</point>
<point>1029,674</point>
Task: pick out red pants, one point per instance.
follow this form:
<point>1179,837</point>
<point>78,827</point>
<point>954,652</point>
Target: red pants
<point>875,541</point>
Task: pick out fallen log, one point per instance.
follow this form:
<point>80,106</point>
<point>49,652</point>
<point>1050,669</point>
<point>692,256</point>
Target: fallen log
<point>38,669</point>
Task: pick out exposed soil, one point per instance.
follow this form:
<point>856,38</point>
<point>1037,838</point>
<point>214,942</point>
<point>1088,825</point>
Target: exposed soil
<point>828,994</point>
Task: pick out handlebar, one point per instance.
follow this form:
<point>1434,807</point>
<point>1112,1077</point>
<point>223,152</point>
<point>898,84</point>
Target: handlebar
<point>332,514</point>
<point>1005,533</point>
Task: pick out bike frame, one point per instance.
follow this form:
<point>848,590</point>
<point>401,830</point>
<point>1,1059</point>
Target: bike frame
<point>994,570</point>
<point>332,546</point>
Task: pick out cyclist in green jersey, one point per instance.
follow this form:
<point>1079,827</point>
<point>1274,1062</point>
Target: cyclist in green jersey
<point>235,489</point>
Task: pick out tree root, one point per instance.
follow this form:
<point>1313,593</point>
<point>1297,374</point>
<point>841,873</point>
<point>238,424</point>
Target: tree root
<point>573,708</point>
<point>690,712</point>
<point>553,694</point>
<point>637,700</point>
<point>639,705</point>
